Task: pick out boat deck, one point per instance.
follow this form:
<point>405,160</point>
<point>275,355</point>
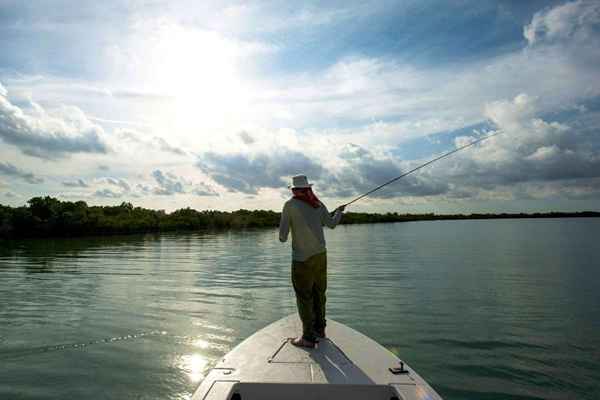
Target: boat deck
<point>346,365</point>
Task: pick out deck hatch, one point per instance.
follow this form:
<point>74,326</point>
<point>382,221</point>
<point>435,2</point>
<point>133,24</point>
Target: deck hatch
<point>325,352</point>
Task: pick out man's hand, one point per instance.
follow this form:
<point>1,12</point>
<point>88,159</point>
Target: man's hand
<point>342,208</point>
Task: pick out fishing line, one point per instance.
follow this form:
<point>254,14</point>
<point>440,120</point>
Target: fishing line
<point>423,165</point>
<point>18,353</point>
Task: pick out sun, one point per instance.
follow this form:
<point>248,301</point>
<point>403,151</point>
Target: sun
<point>200,73</point>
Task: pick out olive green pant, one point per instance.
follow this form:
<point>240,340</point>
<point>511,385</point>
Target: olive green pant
<point>310,283</point>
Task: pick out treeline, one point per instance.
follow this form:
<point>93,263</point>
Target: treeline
<point>367,218</point>
<point>48,217</point>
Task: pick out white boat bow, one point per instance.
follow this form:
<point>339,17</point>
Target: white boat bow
<point>346,365</point>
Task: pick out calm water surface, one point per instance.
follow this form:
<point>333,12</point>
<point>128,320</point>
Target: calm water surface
<point>506,309</point>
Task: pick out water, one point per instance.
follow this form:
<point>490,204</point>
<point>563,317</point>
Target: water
<point>504,309</point>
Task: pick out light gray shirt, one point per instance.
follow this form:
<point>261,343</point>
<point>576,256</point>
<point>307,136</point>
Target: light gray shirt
<point>306,223</point>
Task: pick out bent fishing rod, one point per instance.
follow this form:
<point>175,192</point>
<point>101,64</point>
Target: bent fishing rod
<point>421,166</point>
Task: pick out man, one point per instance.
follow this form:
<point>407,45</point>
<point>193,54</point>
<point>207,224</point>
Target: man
<point>305,215</point>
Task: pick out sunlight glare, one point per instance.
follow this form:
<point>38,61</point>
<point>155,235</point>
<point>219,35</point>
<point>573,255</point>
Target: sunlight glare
<point>200,343</point>
<point>199,70</point>
<point>194,366</point>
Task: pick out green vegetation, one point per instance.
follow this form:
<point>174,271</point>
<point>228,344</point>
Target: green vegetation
<point>47,217</point>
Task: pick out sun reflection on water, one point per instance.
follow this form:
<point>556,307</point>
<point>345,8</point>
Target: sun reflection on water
<point>193,365</point>
<point>201,343</point>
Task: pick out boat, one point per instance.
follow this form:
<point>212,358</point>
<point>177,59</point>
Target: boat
<point>345,365</point>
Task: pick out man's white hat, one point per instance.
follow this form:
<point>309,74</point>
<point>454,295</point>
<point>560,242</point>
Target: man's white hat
<point>299,182</point>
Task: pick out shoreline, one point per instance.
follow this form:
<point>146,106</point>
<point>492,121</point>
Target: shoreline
<point>47,217</point>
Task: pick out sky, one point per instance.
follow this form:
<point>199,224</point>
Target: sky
<point>216,105</point>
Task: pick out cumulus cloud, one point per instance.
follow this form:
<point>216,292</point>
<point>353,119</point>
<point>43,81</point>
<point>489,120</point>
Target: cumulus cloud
<point>107,194</point>
<point>79,183</point>
<point>154,143</point>
<point>110,188</point>
<point>377,104</point>
<point>48,134</point>
<point>166,184</point>
<point>247,173</point>
<point>529,151</point>
<point>572,20</point>
<point>170,184</point>
<point>163,145</point>
<point>246,137</point>
<point>202,189</point>
<point>386,101</point>
<point>118,182</point>
<point>363,170</point>
<point>9,169</point>
<point>354,170</point>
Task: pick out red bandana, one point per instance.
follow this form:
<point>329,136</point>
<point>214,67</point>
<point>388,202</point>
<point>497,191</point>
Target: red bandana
<point>307,195</point>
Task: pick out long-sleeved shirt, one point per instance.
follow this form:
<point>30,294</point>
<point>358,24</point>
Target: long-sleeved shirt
<point>306,224</point>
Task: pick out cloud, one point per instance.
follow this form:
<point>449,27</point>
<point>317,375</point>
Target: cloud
<point>154,143</point>
<point>168,184</point>
<point>162,145</point>
<point>573,20</point>
<point>529,154</point>
<point>372,100</point>
<point>79,183</point>
<point>48,134</point>
<point>528,151</point>
<point>118,182</point>
<point>9,169</point>
<point>248,173</point>
<point>112,188</point>
<point>352,152</point>
<point>107,193</point>
<point>246,137</point>
<point>351,109</point>
<point>363,170</point>
<point>244,17</point>
<point>350,170</point>
<point>202,189</point>
<point>144,189</point>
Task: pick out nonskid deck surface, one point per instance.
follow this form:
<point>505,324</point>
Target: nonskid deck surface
<point>347,365</point>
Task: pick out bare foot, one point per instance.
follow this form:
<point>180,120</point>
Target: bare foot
<point>301,342</point>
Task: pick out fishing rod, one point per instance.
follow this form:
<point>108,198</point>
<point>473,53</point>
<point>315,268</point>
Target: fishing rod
<point>421,166</point>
